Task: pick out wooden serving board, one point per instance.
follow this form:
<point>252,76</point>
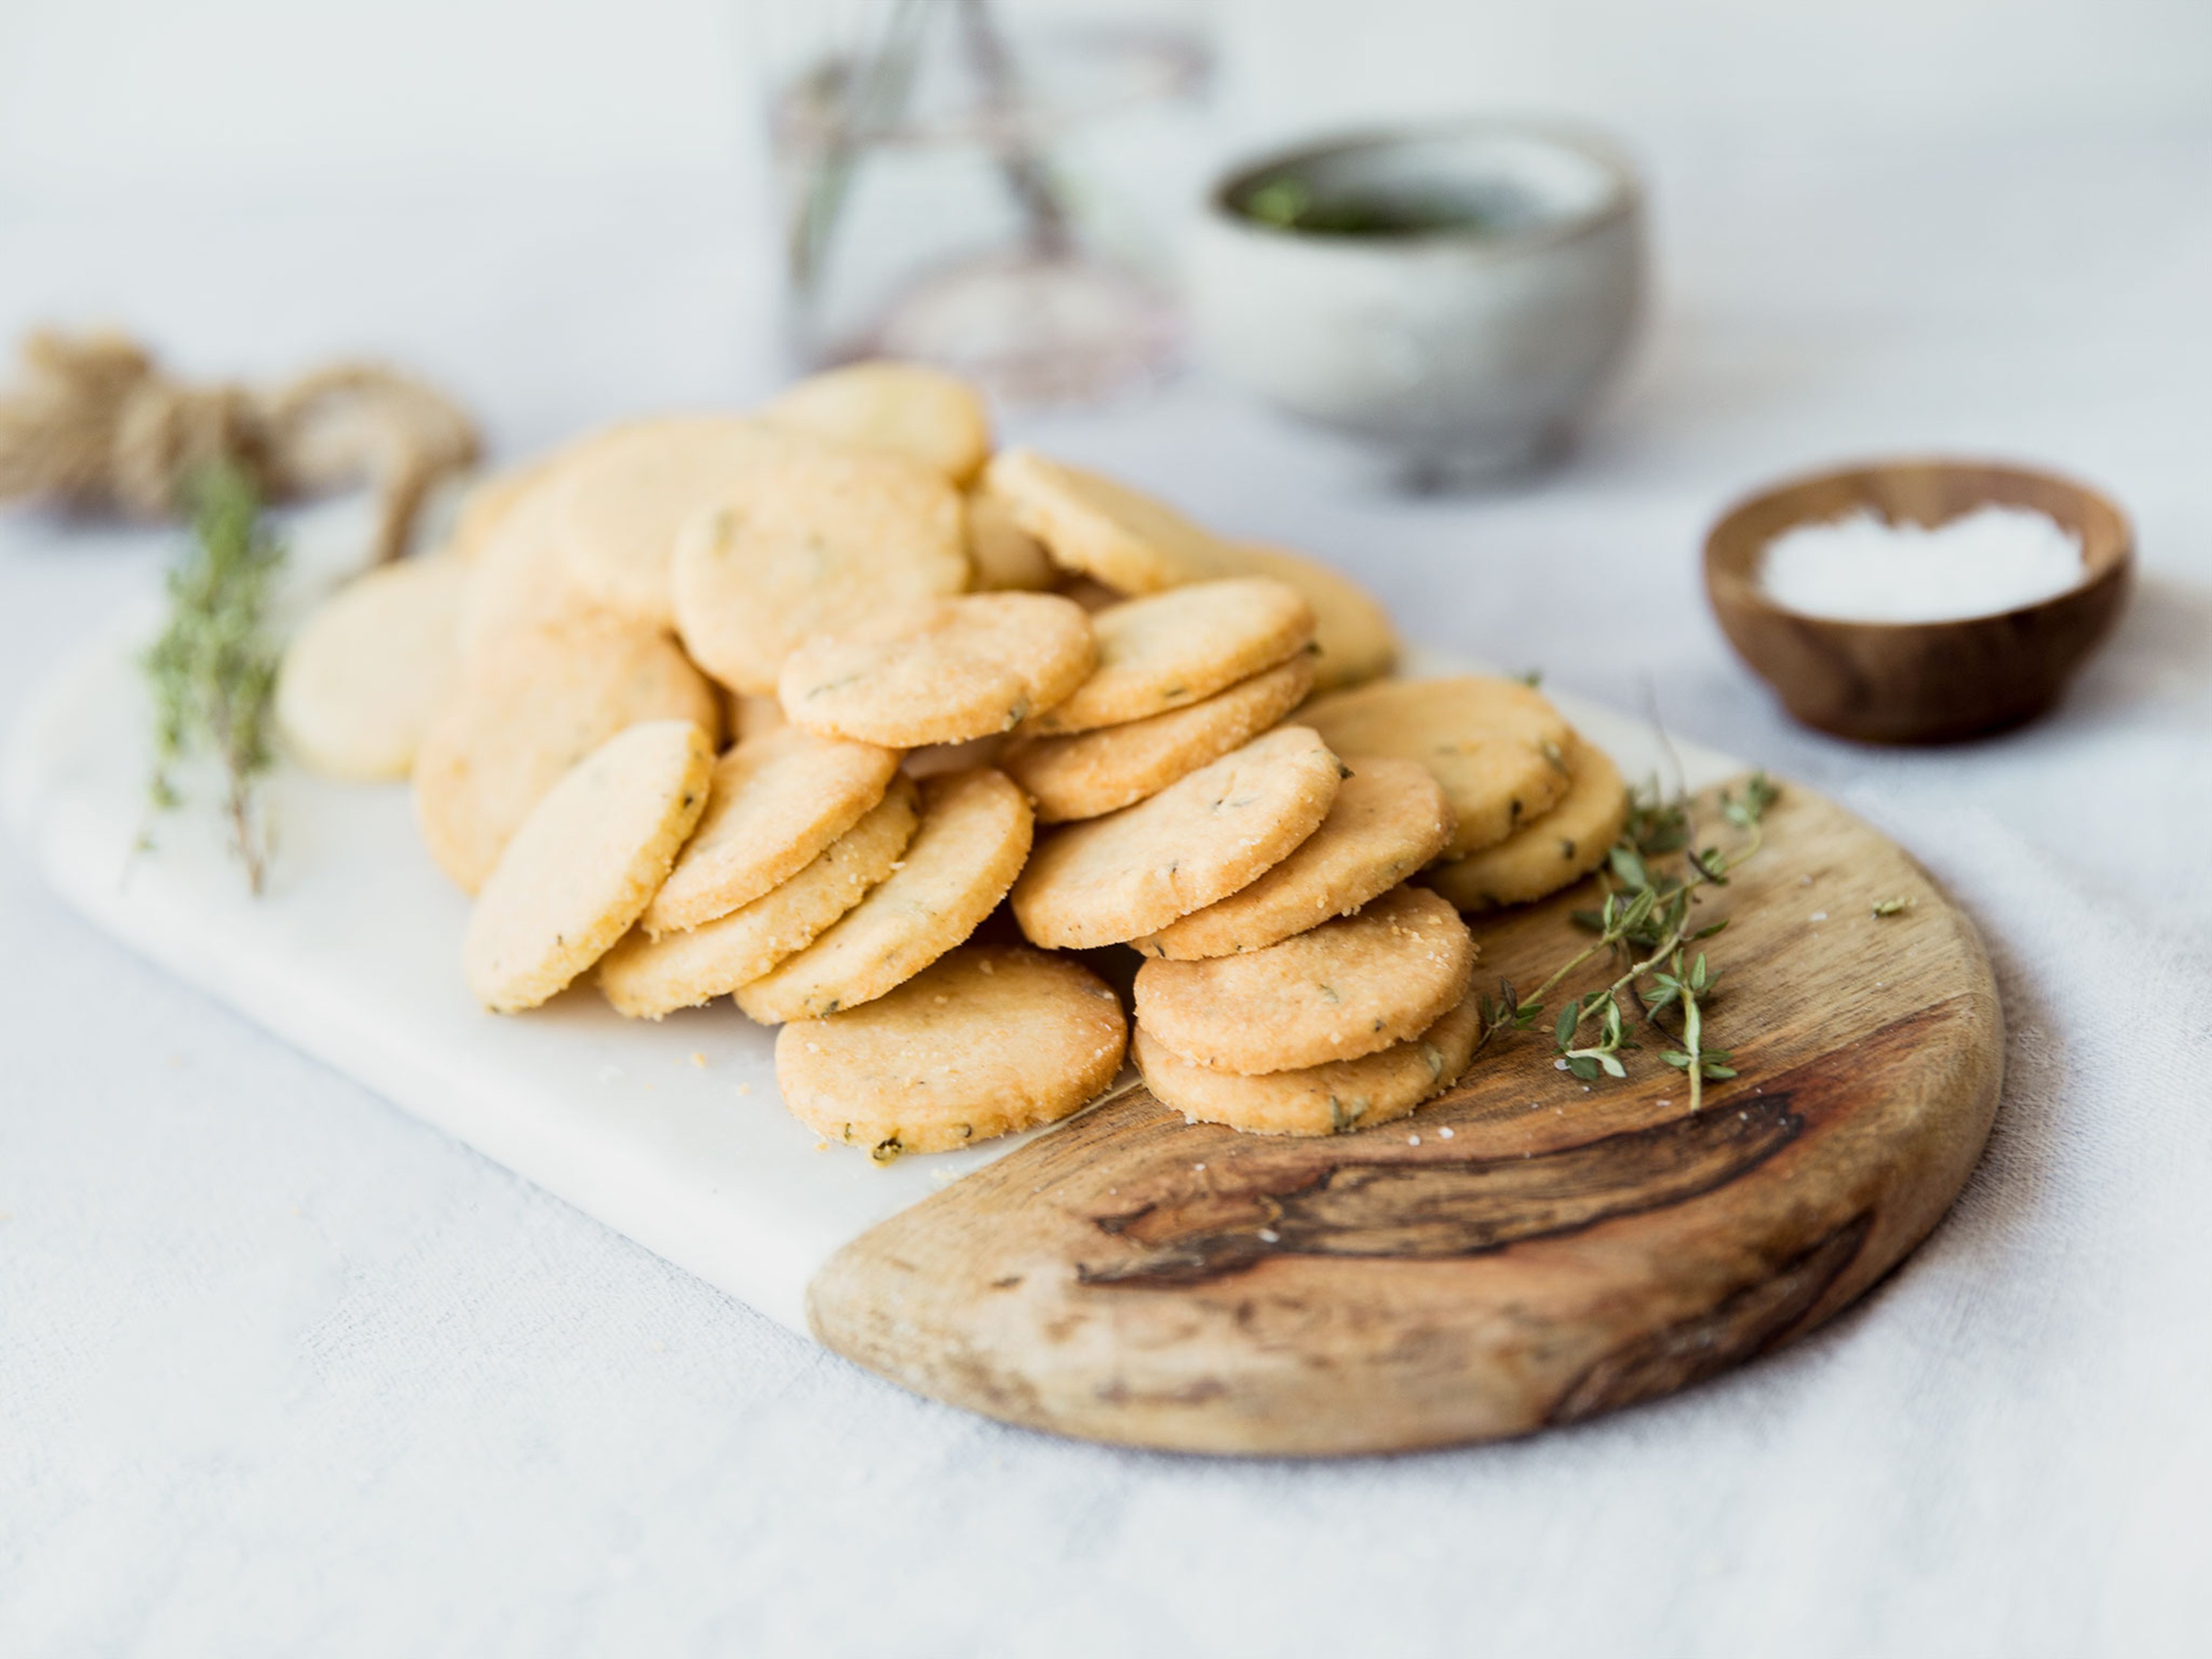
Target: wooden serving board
<point>1563,1252</point>
<point>1530,1250</point>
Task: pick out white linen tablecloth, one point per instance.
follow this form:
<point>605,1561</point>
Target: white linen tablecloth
<point>282,1371</point>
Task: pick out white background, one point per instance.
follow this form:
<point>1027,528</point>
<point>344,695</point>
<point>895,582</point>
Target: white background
<point>281,1371</point>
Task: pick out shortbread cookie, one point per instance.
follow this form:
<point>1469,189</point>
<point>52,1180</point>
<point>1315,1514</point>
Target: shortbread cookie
<point>1103,529</point>
<point>1095,773</point>
<point>616,507</point>
<point>832,537</point>
<point>1497,746</point>
<point>536,702</point>
<point>646,978</point>
<point>1353,638</point>
<point>990,1039</point>
<point>364,676</point>
<point>1389,820</point>
<point>488,500</point>
<point>777,800</point>
<point>584,863</point>
<point>1557,849</point>
<point>1346,988</point>
<point>942,672</point>
<point>974,835</point>
<point>516,579</point>
<point>907,409</point>
<point>1169,650</point>
<point>1335,1097</point>
<point>1003,557</point>
<point>1196,841</point>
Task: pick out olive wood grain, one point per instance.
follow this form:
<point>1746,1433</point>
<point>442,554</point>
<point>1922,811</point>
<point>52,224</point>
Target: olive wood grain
<point>1567,1250</point>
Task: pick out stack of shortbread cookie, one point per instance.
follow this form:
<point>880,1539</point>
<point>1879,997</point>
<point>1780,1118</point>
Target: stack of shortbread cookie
<point>923,652</point>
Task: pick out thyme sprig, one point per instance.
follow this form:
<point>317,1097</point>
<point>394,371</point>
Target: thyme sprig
<point>213,670</point>
<point>1645,927</point>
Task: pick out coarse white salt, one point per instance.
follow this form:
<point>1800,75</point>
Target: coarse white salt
<point>1865,569</point>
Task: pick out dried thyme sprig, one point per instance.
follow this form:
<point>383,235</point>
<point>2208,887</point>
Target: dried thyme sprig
<point>1644,924</point>
<point>213,671</point>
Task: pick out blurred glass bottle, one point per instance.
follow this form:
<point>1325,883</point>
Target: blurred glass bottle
<point>988,184</point>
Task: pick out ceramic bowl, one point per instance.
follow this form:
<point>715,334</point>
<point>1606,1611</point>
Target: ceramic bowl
<point>1459,351</point>
<point>1934,682</point>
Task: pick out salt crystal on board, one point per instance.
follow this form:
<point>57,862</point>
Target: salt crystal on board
<point>1865,569</point>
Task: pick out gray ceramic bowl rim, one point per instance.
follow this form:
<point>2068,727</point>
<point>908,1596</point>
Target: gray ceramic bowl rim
<point>1624,195</point>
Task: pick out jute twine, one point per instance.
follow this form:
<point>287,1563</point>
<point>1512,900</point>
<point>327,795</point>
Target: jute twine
<point>94,424</point>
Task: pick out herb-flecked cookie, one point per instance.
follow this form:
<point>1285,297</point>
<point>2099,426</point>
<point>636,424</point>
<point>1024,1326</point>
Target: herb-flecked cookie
<point>777,800</point>
<point>909,409</point>
<point>1497,746</point>
<point>941,673</point>
<point>533,704</point>
<point>617,505</point>
<point>365,675</point>
<point>1339,991</point>
<point>1127,540</point>
<point>990,1039</point>
<point>1335,1097</point>
<point>1557,850</point>
<point>646,977</point>
<point>1389,820</point>
<point>1353,638</point>
<point>974,832</point>
<point>1197,840</point>
<point>827,540</point>
<point>1094,773</point>
<point>1169,650</point>
<point>584,862</point>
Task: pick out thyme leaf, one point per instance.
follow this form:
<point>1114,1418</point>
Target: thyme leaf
<point>212,672</point>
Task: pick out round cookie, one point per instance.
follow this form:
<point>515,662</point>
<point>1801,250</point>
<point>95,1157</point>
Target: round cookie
<point>942,672</point>
<point>1169,650</point>
<point>1335,1097</point>
<point>1497,746</point>
<point>1107,530</point>
<point>828,539</point>
<point>536,702</point>
<point>364,676</point>
<point>1353,637</point>
<point>1094,773</point>
<point>924,413</point>
<point>1003,556</point>
<point>974,832</point>
<point>1347,987</point>
<point>1197,840</point>
<point>990,1039</point>
<point>1557,849</point>
<point>645,978</point>
<point>1389,820</point>
<point>488,500</point>
<point>584,862</point>
<point>516,580</point>
<point>777,800</point>
<point>617,504</point>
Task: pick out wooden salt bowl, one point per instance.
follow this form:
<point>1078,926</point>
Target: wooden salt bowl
<point>1934,682</point>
